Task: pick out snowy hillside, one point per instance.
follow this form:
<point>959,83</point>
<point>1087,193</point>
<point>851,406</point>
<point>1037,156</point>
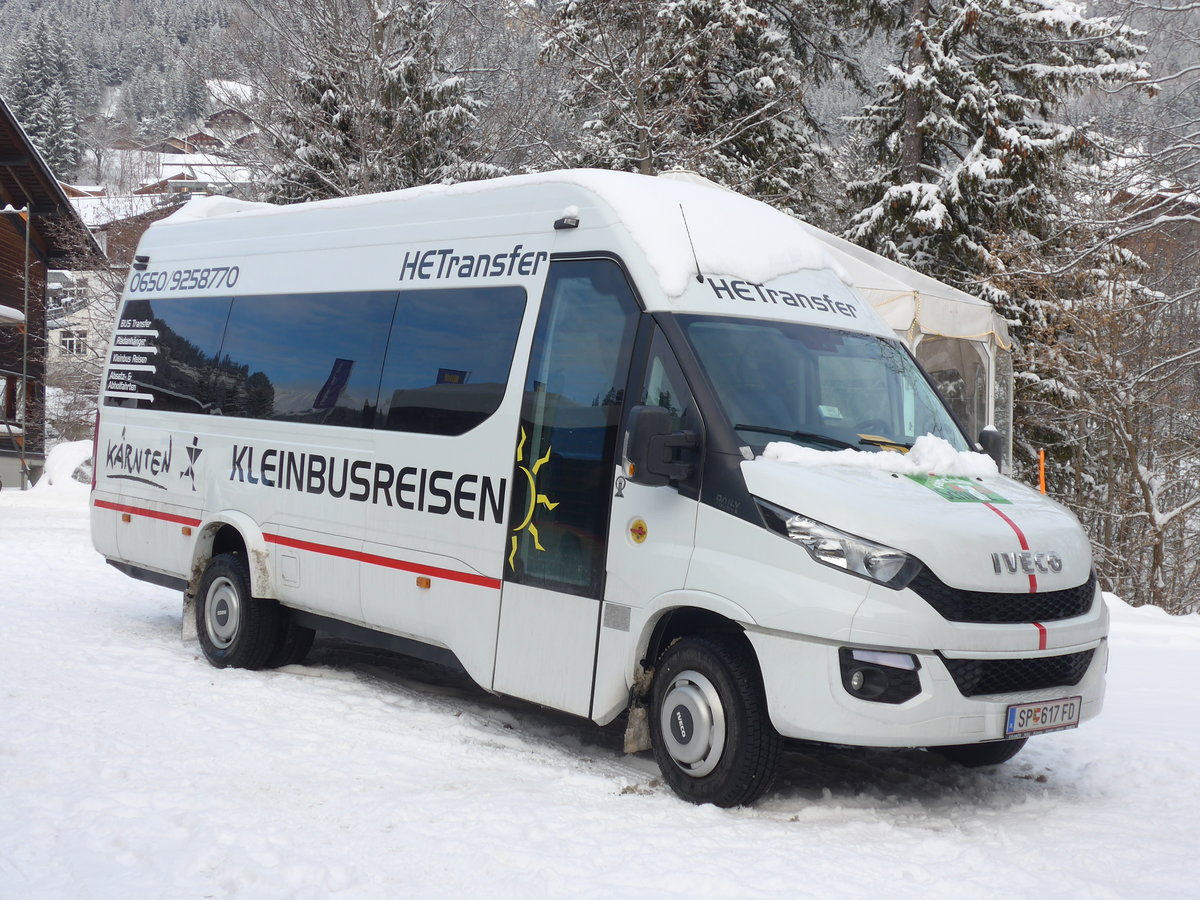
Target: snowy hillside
<point>131,769</point>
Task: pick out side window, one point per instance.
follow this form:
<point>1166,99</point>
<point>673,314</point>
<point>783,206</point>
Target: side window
<point>449,358</point>
<point>664,385</point>
<point>164,354</point>
<point>566,447</point>
<point>959,369</point>
<point>304,357</point>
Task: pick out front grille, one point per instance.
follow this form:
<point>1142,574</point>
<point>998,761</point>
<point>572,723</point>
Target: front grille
<point>1009,676</point>
<point>995,608</point>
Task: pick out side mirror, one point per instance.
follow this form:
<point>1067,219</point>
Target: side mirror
<point>992,443</point>
<point>651,447</point>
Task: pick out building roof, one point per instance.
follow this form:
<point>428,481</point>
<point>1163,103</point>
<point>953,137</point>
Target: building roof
<point>26,180</point>
<point>97,212</point>
<point>10,316</point>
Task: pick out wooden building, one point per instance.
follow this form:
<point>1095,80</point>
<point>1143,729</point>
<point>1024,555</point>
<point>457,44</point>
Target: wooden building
<point>39,230</point>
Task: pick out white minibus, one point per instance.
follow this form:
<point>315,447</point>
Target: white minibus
<point>611,444</point>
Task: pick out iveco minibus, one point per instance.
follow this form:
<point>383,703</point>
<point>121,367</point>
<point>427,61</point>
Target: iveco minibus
<point>608,442</point>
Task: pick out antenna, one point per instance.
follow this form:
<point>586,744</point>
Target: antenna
<point>688,231</point>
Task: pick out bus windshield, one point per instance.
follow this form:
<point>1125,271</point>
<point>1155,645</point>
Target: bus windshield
<point>817,387</point>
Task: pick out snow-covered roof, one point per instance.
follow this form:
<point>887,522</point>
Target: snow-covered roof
<point>230,92</point>
<point>200,167</point>
<point>98,211</point>
<point>677,224</point>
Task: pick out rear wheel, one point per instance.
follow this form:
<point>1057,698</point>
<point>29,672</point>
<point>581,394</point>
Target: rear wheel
<point>235,629</point>
<point>292,643</point>
<point>712,737</point>
<point>975,755</point>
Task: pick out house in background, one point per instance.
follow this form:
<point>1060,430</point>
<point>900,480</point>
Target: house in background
<point>81,305</point>
<point>39,231</point>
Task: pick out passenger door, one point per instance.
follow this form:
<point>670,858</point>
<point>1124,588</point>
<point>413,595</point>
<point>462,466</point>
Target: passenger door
<point>652,532</point>
<point>563,475</point>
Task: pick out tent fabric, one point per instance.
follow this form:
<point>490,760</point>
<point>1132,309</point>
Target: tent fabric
<point>913,303</point>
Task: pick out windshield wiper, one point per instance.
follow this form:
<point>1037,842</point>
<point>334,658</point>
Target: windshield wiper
<point>882,442</point>
<point>798,435</point>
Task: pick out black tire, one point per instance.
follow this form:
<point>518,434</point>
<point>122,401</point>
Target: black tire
<point>235,629</point>
<point>712,737</point>
<point>975,755</point>
<point>292,642</point>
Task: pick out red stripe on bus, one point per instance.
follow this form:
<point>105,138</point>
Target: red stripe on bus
<point>386,562</point>
<point>148,513</point>
<point>1020,537</point>
<point>1041,635</point>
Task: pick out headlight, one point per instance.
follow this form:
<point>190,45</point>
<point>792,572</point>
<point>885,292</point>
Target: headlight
<point>832,547</point>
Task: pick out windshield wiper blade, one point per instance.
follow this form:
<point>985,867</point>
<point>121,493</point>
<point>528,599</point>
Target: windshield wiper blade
<point>882,441</point>
<point>798,435</point>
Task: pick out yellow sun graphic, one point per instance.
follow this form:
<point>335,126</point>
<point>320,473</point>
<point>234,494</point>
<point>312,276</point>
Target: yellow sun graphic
<point>535,499</point>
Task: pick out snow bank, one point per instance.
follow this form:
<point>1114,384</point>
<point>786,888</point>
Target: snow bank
<point>68,467</point>
<point>929,456</point>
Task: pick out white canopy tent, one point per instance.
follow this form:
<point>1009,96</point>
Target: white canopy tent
<point>960,340</point>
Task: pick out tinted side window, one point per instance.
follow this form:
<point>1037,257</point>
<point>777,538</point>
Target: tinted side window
<point>449,358</point>
<point>304,357</point>
<point>164,354</point>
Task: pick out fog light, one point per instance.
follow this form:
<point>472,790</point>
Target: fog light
<point>880,676</point>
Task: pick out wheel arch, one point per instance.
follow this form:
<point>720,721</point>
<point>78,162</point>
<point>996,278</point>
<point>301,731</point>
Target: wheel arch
<point>230,531</point>
<point>683,614</point>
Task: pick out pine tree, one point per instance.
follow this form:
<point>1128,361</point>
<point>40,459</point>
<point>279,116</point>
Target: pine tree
<point>709,85</point>
<point>371,108</point>
<point>54,129</point>
<point>44,84</point>
<point>964,148</point>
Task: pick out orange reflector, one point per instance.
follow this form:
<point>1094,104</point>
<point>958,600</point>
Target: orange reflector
<point>187,531</point>
<point>424,582</point>
<point>125,517</point>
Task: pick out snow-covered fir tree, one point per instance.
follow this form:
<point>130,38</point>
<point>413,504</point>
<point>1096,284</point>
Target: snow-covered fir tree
<point>963,145</point>
<point>361,103</point>
<point>44,86</point>
<point>54,127</point>
<point>709,85</point>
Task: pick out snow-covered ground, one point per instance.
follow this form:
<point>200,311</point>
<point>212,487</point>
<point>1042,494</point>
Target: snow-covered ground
<point>129,768</point>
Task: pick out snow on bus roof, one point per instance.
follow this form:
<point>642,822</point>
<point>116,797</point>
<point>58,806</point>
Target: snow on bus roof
<point>679,220</point>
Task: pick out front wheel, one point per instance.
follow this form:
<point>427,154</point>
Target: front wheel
<point>712,737</point>
<point>235,629</point>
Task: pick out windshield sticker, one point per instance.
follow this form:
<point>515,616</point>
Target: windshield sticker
<point>957,489</point>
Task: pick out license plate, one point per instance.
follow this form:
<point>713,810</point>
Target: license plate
<point>1049,715</point>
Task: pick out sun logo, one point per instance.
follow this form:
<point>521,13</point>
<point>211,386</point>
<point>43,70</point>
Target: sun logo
<point>535,500</point>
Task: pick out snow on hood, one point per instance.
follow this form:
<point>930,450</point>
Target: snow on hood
<point>951,510</point>
<point>929,456</point>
